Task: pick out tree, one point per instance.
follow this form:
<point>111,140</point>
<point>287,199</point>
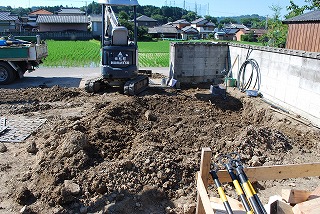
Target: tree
<point>190,16</point>
<point>277,32</point>
<point>295,10</point>
<point>211,19</point>
<point>228,20</point>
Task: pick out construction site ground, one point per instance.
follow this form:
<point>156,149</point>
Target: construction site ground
<point>110,153</point>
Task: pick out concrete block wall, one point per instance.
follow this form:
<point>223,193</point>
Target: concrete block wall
<point>289,79</point>
<point>198,62</point>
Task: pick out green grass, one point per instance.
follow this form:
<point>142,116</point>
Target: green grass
<point>72,53</point>
<point>87,53</point>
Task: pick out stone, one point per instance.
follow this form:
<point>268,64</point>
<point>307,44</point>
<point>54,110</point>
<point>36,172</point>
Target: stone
<point>3,148</point>
<point>32,148</point>
<point>71,188</point>
<point>150,116</point>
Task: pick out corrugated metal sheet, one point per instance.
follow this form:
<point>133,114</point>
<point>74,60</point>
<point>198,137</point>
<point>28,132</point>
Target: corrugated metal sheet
<point>304,36</point>
<point>62,19</point>
<point>313,16</point>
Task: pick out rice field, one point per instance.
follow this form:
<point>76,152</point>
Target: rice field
<point>87,53</point>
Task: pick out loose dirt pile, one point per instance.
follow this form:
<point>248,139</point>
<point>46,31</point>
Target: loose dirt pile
<point>109,153</point>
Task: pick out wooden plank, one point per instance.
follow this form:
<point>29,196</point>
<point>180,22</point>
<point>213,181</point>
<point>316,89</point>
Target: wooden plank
<point>203,194</point>
<point>204,174</point>
<point>294,196</point>
<point>275,172</point>
<point>219,208</point>
<point>279,207</point>
<point>315,194</point>
<point>307,207</point>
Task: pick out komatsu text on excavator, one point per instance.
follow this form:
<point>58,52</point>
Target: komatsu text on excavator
<point>119,63</point>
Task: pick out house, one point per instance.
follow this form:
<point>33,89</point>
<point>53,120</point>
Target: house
<point>146,21</point>
<point>95,24</point>
<point>225,33</point>
<point>30,22</point>
<point>9,22</point>
<point>181,23</point>
<point>303,32</point>
<point>189,32</point>
<point>164,32</point>
<point>204,27</point>
<point>70,12</point>
<point>62,23</point>
<point>241,30</point>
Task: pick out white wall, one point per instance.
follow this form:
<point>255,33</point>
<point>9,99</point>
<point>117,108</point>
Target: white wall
<point>290,79</point>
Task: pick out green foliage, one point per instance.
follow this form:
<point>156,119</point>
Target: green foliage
<point>277,32</point>
<point>190,16</point>
<point>228,20</point>
<point>248,37</point>
<point>212,19</point>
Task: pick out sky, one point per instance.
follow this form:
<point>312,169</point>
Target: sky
<point>214,8</point>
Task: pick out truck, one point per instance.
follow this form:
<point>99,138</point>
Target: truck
<point>19,55</point>
<point>119,63</point>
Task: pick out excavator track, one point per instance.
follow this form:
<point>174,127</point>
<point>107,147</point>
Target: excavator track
<point>94,85</point>
<point>136,85</point>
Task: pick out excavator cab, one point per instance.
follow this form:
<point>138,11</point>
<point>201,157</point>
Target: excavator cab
<point>119,63</point>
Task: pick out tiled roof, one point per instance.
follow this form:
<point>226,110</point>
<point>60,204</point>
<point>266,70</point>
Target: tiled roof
<point>73,11</point>
<point>161,29</point>
<point>62,19</point>
<point>238,26</point>
<point>40,12</point>
<point>198,20</point>
<point>312,16</point>
<point>144,18</point>
<point>7,16</point>
<point>181,21</point>
<point>189,29</point>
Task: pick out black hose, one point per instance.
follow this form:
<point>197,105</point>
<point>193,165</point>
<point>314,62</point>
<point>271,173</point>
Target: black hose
<point>244,85</point>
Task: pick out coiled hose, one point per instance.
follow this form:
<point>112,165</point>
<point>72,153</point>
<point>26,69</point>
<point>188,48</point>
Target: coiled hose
<point>244,84</point>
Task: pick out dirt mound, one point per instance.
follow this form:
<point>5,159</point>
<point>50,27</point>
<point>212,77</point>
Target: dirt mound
<point>109,153</point>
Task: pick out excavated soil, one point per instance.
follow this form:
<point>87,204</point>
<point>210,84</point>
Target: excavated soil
<point>110,153</point>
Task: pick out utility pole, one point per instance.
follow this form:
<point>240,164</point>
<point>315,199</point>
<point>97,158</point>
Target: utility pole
<point>184,4</point>
<point>166,3</point>
<point>266,27</point>
<point>195,7</point>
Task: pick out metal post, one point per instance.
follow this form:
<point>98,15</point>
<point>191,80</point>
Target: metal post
<point>135,26</point>
<point>103,7</point>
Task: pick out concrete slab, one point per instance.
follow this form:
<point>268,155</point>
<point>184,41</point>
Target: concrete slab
<point>64,77</point>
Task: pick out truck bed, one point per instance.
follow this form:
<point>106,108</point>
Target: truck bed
<point>29,52</point>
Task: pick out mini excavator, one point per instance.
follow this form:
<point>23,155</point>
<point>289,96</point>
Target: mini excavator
<point>119,63</point>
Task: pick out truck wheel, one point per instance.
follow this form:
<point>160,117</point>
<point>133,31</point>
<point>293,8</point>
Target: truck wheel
<point>7,73</point>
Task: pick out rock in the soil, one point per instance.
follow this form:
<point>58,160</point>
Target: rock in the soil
<point>70,188</point>
<point>150,116</point>
<point>3,148</point>
<point>73,143</point>
<point>32,148</point>
<point>255,161</point>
